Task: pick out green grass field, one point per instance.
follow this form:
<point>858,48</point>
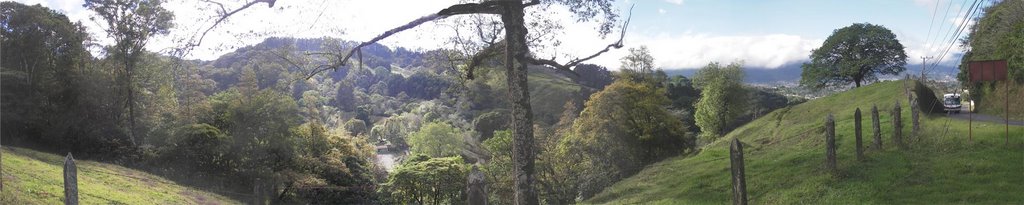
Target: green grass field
<point>785,157</point>
<point>32,177</point>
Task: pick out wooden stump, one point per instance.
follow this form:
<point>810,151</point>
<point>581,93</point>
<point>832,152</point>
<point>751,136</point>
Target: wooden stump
<point>70,181</point>
<point>830,143</point>
<point>739,182</point>
<point>876,128</point>
<point>897,126</point>
<point>858,133</point>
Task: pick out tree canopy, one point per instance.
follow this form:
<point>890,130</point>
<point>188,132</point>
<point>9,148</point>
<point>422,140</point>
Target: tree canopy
<point>723,98</point>
<point>854,54</point>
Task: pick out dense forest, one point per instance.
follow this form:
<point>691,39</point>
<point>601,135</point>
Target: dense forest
<point>254,119</point>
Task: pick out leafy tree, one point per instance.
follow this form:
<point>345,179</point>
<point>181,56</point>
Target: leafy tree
<point>997,35</point>
<point>638,65</point>
<point>131,23</point>
<point>345,97</point>
<point>356,127</point>
<point>204,147</point>
<point>723,98</point>
<point>392,130</point>
<point>594,76</point>
<point>681,91</point>
<point>621,129</point>
<point>488,123</point>
<point>559,170</point>
<point>52,93</point>
<point>425,180</point>
<point>436,139</point>
<point>854,54</point>
<point>517,58</point>
<point>499,168</point>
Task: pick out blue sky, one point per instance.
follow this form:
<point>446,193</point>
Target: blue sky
<point>679,33</point>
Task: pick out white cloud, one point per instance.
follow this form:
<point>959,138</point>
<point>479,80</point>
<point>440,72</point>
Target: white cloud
<point>662,11</point>
<point>676,2</point>
<point>360,20</point>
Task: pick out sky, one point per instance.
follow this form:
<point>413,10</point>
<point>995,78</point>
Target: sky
<point>679,33</point>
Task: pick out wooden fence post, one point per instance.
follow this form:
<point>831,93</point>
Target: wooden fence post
<point>70,181</point>
<point>830,143</point>
<point>858,133</point>
<point>915,131</point>
<point>739,183</point>
<point>897,126</point>
<point>876,127</point>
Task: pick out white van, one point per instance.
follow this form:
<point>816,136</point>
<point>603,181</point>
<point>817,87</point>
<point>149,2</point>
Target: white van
<point>951,102</point>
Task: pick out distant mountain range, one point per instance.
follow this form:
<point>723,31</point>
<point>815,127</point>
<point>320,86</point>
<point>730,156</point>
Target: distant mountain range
<point>790,73</point>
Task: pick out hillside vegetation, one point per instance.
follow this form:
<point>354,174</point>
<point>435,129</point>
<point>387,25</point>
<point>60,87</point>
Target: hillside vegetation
<point>32,177</point>
<point>785,156</point>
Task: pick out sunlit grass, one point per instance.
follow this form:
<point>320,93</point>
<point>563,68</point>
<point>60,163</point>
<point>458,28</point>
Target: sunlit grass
<point>785,161</point>
<point>32,177</point>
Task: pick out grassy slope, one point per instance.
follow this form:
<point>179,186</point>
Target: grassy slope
<point>549,92</point>
<point>32,177</point>
<point>785,158</point>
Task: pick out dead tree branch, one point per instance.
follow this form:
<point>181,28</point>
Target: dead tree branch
<point>490,7</point>
<point>568,66</point>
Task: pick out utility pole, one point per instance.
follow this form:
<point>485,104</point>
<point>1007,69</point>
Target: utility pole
<point>924,65</point>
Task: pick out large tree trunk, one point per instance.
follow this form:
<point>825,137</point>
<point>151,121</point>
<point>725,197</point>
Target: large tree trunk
<point>129,67</point>
<point>518,93</point>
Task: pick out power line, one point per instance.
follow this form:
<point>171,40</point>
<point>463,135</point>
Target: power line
<point>932,22</point>
<point>963,26</point>
<point>945,15</point>
<point>952,26</point>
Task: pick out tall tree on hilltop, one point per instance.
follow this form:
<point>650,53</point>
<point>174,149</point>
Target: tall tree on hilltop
<point>854,54</point>
<point>132,23</point>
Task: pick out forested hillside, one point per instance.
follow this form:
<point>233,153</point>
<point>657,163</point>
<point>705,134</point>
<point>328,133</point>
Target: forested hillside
<point>489,101</point>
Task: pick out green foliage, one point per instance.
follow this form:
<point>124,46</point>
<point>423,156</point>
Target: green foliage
<point>391,130</point>
<point>34,177</point>
<point>345,98</point>
<point>205,147</point>
<point>621,129</point>
<point>723,98</point>
<point>638,66</point>
<point>998,35</point>
<point>784,158</point>
<point>425,180</point>
<point>53,94</point>
<point>436,139</point>
<point>854,54</point>
<point>594,76</point>
<point>499,168</point>
<point>490,122</point>
<point>356,127</point>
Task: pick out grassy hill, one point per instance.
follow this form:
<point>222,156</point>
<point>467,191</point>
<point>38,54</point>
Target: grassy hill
<point>32,177</point>
<point>785,157</point>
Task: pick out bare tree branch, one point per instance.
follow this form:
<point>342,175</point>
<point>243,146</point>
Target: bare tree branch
<point>568,66</point>
<point>224,14</point>
<point>490,7</point>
